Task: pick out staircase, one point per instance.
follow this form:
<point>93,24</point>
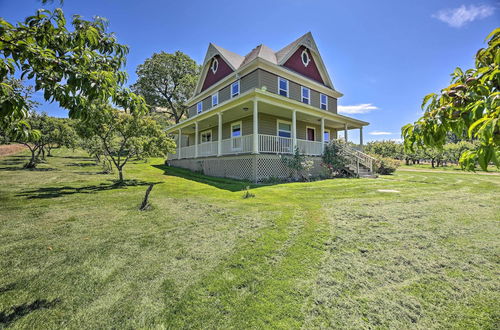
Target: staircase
<point>360,164</point>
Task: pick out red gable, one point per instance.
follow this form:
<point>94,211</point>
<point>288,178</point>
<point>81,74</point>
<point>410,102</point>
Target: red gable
<point>296,64</point>
<point>223,69</point>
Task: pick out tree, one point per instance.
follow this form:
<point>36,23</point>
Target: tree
<point>470,104</point>
<point>61,134</point>
<point>384,148</point>
<point>123,136</point>
<point>167,81</point>
<point>73,67</point>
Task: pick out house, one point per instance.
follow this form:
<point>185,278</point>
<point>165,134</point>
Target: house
<point>247,112</point>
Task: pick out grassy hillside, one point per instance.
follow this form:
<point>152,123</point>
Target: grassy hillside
<point>75,251</point>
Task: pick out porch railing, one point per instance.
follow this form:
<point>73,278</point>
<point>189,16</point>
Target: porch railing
<point>275,144</point>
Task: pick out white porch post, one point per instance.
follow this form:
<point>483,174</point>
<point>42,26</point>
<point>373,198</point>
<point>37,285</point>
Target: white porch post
<point>345,132</point>
<point>179,144</point>
<point>255,127</point>
<point>294,129</point>
<point>323,133</point>
<point>195,139</point>
<point>361,137</point>
<point>219,135</point>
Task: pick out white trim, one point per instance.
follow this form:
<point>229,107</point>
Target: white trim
<point>314,129</point>
<point>329,134</point>
<point>216,62</point>
<point>302,88</point>
<point>199,107</point>
<point>237,82</point>
<point>320,103</point>
<point>278,121</point>
<point>216,95</point>
<point>287,86</point>
<point>306,63</point>
<point>206,131</point>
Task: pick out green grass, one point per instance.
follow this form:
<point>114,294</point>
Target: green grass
<point>75,252</point>
<point>448,167</point>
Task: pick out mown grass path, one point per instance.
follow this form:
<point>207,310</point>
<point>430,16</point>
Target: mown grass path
<point>75,252</point>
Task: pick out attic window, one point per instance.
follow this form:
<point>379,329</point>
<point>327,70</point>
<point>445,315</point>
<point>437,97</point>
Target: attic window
<point>305,57</point>
<point>215,65</point>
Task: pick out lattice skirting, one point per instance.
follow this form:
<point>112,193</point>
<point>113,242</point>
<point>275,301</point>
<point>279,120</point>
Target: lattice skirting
<point>245,167</point>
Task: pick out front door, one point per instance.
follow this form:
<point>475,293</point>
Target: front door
<point>310,134</point>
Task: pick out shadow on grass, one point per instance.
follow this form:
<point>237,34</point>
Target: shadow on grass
<point>82,164</point>
<point>221,183</point>
<point>6,318</point>
<point>53,192</point>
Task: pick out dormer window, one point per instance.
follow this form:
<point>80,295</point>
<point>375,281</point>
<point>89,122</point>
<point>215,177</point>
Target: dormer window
<point>305,57</point>
<point>215,65</point>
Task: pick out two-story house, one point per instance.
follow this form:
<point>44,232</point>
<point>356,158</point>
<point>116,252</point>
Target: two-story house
<point>248,111</point>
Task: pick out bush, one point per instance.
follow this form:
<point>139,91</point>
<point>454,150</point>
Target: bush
<point>299,165</point>
<point>385,165</point>
<point>334,159</point>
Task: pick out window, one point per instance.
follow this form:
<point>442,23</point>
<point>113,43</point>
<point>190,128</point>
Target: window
<point>326,135</point>
<point>199,107</point>
<point>306,95</point>
<point>206,136</point>
<point>282,86</point>
<point>235,88</point>
<point>323,101</point>
<point>236,129</point>
<point>215,99</point>
<point>284,128</point>
<point>215,65</point>
<point>305,57</point>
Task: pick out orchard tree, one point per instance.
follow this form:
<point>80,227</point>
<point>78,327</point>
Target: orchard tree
<point>167,81</point>
<point>123,136</point>
<point>73,66</point>
<point>470,104</point>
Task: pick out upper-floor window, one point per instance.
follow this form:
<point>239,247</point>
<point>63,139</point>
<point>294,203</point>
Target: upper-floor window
<point>199,107</point>
<point>283,86</point>
<point>323,101</point>
<point>306,95</point>
<point>235,88</point>
<point>215,99</point>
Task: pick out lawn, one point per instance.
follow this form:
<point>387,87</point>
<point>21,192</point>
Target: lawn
<point>75,252</point>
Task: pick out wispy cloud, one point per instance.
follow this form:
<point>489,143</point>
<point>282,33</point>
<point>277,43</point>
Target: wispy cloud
<point>458,17</point>
<point>380,133</point>
<point>356,109</point>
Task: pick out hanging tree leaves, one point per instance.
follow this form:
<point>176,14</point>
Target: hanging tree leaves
<point>470,105</point>
<point>74,67</point>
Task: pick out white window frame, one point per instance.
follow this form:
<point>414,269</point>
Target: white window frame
<point>199,107</point>
<point>215,65</point>
<point>278,122</point>
<point>308,57</point>
<point>217,96</point>
<point>241,129</point>
<point>321,103</point>
<point>237,82</point>
<point>205,132</point>
<point>302,88</point>
<point>236,141</point>
<point>314,129</point>
<point>287,86</point>
<point>329,135</point>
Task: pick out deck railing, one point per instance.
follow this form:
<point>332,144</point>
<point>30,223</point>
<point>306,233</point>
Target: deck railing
<point>275,144</point>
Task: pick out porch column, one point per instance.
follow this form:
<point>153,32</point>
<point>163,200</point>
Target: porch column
<point>255,149</point>
<point>219,135</point>
<point>179,144</point>
<point>322,133</point>
<point>345,132</point>
<point>195,139</point>
<point>294,129</point>
<point>361,137</point>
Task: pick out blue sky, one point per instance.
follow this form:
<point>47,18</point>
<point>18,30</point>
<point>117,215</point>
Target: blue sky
<point>384,56</point>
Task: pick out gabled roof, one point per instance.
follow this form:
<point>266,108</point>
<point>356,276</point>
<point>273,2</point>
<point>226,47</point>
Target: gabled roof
<point>236,61</point>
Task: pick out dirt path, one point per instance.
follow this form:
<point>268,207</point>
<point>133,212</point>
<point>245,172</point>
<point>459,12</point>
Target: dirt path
<point>448,172</point>
<point>10,149</point>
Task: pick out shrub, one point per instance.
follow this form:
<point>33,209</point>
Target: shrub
<point>334,159</point>
<point>385,165</point>
<point>299,165</point>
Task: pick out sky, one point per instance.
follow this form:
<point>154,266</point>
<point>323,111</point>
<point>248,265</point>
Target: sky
<point>384,56</point>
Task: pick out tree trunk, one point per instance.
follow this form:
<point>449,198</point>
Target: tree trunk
<point>145,203</point>
<point>120,174</point>
<point>432,163</point>
<point>32,162</point>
